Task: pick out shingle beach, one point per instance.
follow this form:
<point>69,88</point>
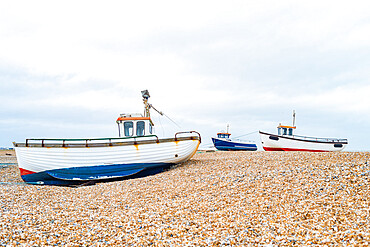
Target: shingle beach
<point>216,198</point>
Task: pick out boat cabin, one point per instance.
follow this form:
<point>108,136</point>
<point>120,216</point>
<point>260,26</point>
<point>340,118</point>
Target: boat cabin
<point>134,124</point>
<point>285,130</point>
<point>223,135</point>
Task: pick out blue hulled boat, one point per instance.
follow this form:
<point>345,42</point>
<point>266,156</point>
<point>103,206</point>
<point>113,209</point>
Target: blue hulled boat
<point>224,143</point>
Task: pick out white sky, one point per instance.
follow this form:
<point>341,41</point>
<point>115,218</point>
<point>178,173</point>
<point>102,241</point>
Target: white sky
<point>69,68</point>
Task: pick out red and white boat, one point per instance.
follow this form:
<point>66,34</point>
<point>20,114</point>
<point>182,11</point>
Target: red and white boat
<point>285,140</point>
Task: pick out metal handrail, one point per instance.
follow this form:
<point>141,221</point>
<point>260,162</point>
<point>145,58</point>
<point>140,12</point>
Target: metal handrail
<point>184,132</point>
<point>319,139</point>
<point>87,139</point>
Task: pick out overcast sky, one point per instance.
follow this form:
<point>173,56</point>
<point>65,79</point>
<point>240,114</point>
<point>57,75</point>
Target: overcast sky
<point>69,68</point>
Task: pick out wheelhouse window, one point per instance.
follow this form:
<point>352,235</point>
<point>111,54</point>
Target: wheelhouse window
<point>290,131</point>
<point>150,128</point>
<point>223,135</point>
<point>128,128</point>
<point>140,128</point>
<point>284,131</point>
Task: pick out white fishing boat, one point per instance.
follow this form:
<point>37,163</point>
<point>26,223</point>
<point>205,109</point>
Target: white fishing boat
<point>285,140</point>
<point>76,161</point>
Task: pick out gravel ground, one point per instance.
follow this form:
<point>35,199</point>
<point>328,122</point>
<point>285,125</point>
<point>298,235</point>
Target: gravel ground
<point>7,156</point>
<point>219,198</point>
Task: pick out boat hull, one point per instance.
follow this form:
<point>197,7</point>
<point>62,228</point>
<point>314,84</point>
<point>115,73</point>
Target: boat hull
<point>75,165</point>
<point>229,145</point>
<point>271,142</point>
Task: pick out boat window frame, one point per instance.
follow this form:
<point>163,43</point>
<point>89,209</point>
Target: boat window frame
<point>150,128</point>
<point>127,129</point>
<point>290,131</point>
<point>140,128</point>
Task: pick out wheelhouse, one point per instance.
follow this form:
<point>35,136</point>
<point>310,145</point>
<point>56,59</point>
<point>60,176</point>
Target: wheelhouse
<point>134,124</point>
<point>285,130</point>
<point>223,135</point>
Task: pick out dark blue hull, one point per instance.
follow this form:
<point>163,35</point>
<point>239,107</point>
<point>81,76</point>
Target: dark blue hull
<point>93,174</point>
<point>228,145</point>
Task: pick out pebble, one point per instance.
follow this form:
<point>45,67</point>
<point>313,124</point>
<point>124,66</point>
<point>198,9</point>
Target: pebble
<point>219,198</point>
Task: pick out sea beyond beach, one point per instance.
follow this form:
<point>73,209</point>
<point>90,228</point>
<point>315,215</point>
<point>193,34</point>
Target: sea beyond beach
<point>217,198</point>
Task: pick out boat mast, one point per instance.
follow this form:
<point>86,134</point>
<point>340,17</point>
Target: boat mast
<point>146,96</point>
<point>147,106</point>
<point>293,118</point>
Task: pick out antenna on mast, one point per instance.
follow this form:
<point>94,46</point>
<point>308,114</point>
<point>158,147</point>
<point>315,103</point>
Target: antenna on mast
<point>147,106</point>
<point>146,96</point>
<point>293,118</point>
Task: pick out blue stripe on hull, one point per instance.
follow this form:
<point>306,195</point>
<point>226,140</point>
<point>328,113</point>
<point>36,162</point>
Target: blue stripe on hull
<point>79,175</point>
<point>233,146</point>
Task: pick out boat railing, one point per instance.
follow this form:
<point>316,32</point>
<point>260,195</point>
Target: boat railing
<point>112,141</point>
<point>321,139</point>
<point>188,132</point>
<point>86,142</point>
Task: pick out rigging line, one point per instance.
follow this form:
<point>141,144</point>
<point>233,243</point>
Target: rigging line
<point>247,134</point>
<point>172,120</point>
<point>160,123</point>
<point>162,114</point>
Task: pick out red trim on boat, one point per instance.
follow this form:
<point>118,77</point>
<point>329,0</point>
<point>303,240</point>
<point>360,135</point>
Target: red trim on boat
<point>25,172</point>
<point>292,149</point>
